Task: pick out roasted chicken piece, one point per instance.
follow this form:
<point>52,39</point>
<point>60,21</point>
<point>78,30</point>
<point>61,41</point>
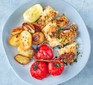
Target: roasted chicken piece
<point>48,30</point>
<point>58,36</point>
<point>47,16</point>
<point>61,21</point>
<point>68,53</point>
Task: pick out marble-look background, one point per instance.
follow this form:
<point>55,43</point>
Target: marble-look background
<point>84,7</point>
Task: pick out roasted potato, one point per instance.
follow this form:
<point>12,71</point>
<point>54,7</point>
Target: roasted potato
<point>25,40</point>
<point>14,40</point>
<point>37,38</point>
<point>22,59</point>
<point>17,30</point>
<point>36,26</point>
<point>29,27</point>
<point>28,53</point>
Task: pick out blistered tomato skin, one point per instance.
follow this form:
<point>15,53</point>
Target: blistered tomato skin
<point>55,68</point>
<point>44,53</point>
<point>39,70</point>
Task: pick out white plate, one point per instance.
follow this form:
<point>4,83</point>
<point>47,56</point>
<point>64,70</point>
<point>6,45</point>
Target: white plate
<point>16,19</point>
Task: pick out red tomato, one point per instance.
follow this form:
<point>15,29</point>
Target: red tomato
<point>44,53</point>
<point>55,68</point>
<point>39,70</point>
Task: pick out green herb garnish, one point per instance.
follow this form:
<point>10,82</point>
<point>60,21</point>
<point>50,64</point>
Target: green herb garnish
<point>75,60</point>
<point>65,44</point>
<point>60,47</point>
<point>54,33</point>
<point>47,17</point>
<point>76,47</point>
<point>60,36</point>
<point>60,29</point>
<point>57,65</point>
<point>65,63</point>
<point>78,53</point>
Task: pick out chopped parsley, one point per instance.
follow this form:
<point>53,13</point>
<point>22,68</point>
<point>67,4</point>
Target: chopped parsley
<point>54,33</point>
<point>65,44</point>
<point>57,65</point>
<point>47,17</point>
<point>65,63</point>
<point>60,29</point>
<point>59,47</point>
<point>75,60</point>
<point>59,37</point>
<point>76,47</point>
<point>78,53</point>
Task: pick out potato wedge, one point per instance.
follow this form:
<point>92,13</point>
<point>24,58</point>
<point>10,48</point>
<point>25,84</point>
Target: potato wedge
<point>25,40</point>
<point>22,59</point>
<point>28,53</point>
<point>14,40</point>
<point>38,38</point>
<point>29,27</point>
<point>17,30</point>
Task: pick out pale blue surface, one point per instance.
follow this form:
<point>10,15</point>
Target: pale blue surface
<point>84,7</point>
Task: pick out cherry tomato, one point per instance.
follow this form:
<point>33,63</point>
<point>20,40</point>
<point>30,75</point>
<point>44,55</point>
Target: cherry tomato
<point>55,68</point>
<point>39,70</point>
<point>44,53</point>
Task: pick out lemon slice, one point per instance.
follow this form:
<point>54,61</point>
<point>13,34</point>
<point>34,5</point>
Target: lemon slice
<point>33,13</point>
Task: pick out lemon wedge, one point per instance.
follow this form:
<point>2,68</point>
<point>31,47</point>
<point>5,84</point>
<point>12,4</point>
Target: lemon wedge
<point>33,13</point>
